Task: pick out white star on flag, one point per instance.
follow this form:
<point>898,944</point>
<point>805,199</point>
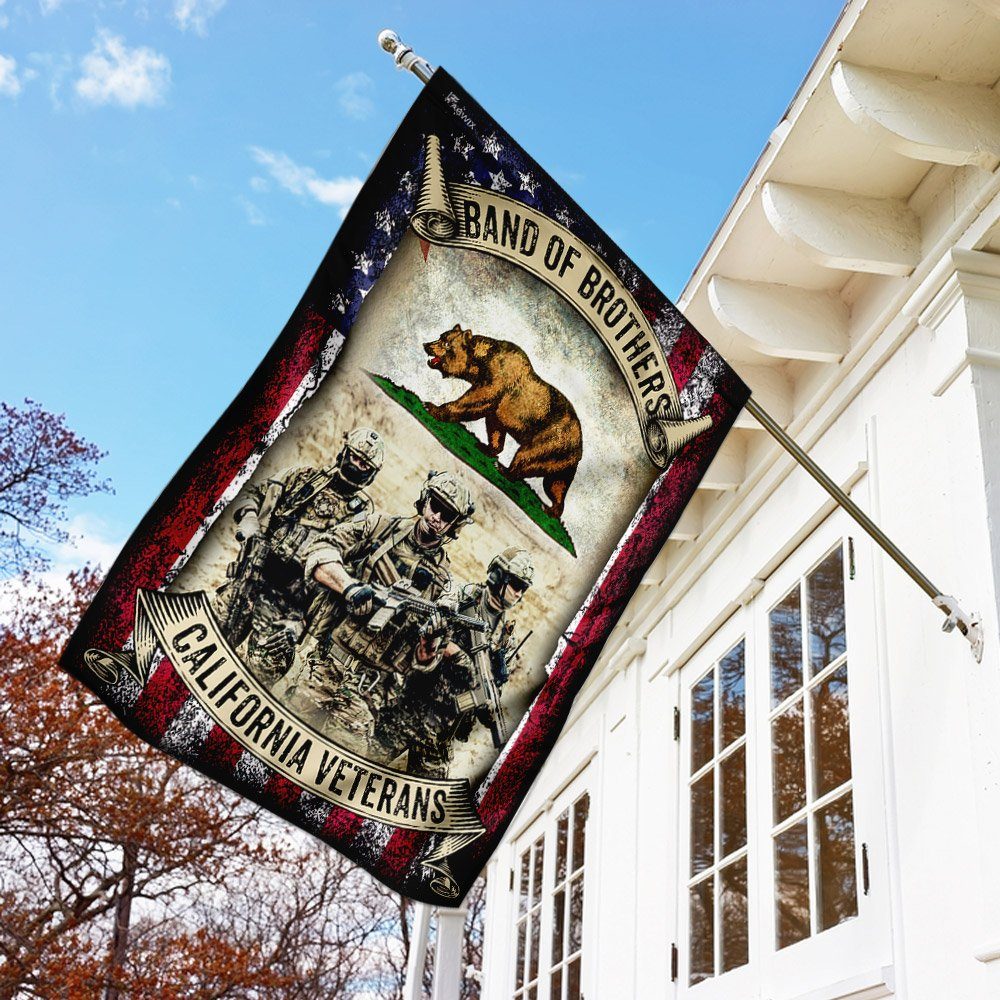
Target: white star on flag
<point>462,146</point>
<point>384,221</point>
<point>500,183</point>
<point>491,145</point>
<point>528,183</point>
<point>362,263</point>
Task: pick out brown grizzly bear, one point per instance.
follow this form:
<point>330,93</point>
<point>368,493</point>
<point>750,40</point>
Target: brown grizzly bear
<point>512,398</point>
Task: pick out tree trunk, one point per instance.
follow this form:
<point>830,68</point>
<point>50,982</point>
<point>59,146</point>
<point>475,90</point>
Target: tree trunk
<point>123,915</point>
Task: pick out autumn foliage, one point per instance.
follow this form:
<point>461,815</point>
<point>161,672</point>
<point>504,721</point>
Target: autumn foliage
<point>124,874</point>
<point>43,463</point>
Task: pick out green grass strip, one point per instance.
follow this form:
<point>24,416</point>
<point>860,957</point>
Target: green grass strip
<point>463,444</point>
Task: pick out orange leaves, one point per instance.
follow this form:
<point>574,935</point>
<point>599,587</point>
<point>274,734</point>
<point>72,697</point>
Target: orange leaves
<point>212,897</point>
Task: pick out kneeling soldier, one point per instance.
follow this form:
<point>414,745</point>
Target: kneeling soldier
<point>265,603</point>
<point>458,671</point>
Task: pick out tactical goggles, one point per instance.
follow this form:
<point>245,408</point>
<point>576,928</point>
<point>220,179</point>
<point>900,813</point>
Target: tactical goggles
<point>445,511</point>
<point>357,469</point>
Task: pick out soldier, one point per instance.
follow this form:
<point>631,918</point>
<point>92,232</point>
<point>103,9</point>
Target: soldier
<point>266,602</point>
<point>442,693</point>
<point>375,563</point>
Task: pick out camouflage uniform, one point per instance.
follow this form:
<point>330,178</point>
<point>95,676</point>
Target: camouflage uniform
<point>432,712</point>
<point>348,659</point>
<point>425,719</point>
<point>293,508</point>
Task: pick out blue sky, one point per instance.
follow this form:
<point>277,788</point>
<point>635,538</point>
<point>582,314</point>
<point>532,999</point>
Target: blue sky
<point>171,173</point>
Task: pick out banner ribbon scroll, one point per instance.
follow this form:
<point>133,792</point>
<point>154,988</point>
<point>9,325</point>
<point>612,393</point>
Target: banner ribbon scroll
<point>474,218</point>
<point>185,628</point>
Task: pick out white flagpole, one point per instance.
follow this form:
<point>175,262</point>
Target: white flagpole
<point>968,624</point>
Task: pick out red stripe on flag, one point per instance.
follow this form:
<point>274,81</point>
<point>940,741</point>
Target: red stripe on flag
<point>220,751</point>
<point>341,826</point>
<point>280,793</point>
<point>160,701</point>
<point>147,559</point>
<point>398,854</point>
<point>685,355</point>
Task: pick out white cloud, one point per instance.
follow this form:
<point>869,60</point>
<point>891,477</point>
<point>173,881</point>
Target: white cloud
<point>254,215</point>
<point>115,74</point>
<point>259,184</point>
<point>195,14</point>
<point>10,83</point>
<point>48,6</point>
<point>90,542</point>
<point>337,191</point>
<point>353,95</point>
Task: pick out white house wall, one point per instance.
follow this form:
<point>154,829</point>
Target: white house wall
<point>909,424</point>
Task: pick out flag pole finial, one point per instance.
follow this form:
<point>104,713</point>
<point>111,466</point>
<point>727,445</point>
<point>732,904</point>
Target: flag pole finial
<point>404,56</point>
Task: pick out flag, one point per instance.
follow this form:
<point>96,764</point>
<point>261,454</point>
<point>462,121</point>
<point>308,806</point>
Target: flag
<point>369,597</point>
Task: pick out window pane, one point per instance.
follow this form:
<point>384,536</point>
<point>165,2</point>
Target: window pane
<point>786,647</point>
<point>702,945</point>
<point>533,993</point>
<point>558,921</point>
<point>573,981</point>
<point>555,992</point>
<point>732,695</point>
<point>788,755</point>
<point>533,953</point>
<point>536,880</point>
<point>825,587</point>
<point>520,952</point>
<point>733,795</point>
<point>581,809</point>
<point>702,823</point>
<point>562,833</point>
<point>702,722</point>
<point>831,733</point>
<point>838,893</point>
<point>733,924</point>
<point>522,904</point>
<point>791,877</point>
<point>576,915</point>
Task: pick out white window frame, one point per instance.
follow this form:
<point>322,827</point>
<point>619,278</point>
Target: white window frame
<point>863,943</point>
<point>739,981</point>
<point>546,825</point>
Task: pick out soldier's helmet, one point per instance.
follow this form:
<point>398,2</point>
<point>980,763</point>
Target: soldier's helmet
<point>452,494</point>
<point>361,456</point>
<point>514,566</point>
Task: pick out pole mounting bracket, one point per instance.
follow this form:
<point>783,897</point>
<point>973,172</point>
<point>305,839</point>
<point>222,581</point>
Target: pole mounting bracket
<point>968,624</point>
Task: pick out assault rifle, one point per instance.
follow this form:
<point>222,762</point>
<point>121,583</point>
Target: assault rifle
<point>400,597</point>
<point>484,697</point>
<point>245,571</point>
